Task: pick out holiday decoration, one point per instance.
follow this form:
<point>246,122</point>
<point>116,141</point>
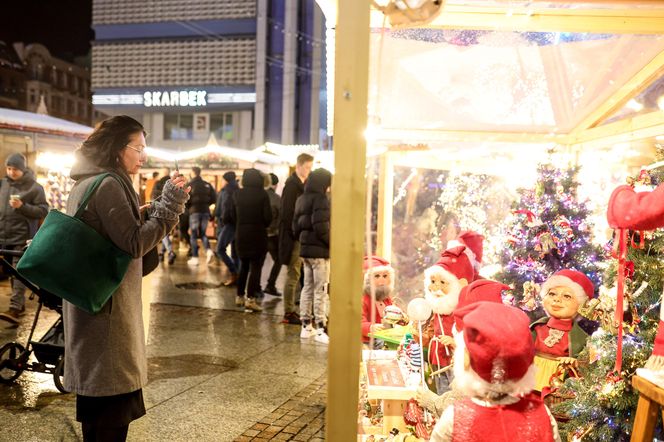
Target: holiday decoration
<point>547,231</point>
<point>605,402</point>
<point>408,13</point>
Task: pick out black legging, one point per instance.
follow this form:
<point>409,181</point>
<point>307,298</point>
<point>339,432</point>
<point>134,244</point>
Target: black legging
<point>250,268</point>
<point>95,433</point>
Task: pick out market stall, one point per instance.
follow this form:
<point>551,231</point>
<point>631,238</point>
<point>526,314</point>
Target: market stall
<point>491,89</point>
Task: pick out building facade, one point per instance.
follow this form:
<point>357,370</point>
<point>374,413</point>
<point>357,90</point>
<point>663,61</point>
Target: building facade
<point>231,68</point>
<point>12,78</point>
<point>64,86</point>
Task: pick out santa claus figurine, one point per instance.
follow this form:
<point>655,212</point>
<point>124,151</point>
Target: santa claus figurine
<point>483,290</point>
<point>442,284</point>
<point>474,243</point>
<point>558,337</point>
<point>379,278</point>
<point>494,370</point>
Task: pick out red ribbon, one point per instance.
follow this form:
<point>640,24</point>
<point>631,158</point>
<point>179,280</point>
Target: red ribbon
<point>620,240</point>
<point>529,215</point>
<point>629,269</point>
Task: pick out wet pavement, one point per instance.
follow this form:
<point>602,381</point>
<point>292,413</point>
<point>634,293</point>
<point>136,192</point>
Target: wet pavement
<point>216,373</point>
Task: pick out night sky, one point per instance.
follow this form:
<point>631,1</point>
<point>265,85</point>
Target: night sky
<point>63,26</point>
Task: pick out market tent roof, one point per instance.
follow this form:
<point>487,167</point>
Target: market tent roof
<point>28,121</point>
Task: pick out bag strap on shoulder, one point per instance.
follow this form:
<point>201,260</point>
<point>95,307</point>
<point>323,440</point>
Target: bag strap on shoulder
<point>92,188</point>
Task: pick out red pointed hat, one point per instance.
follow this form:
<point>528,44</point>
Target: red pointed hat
<point>456,262</point>
<point>478,291</point>
<point>375,263</point>
<point>579,283</point>
<point>498,341</point>
<point>474,241</point>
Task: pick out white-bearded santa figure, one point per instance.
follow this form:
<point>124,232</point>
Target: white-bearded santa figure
<point>442,284</point>
<point>495,374</point>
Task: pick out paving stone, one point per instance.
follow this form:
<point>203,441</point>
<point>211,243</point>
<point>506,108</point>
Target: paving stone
<point>251,433</point>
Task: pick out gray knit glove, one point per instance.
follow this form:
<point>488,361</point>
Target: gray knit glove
<point>426,398</point>
<point>171,204</point>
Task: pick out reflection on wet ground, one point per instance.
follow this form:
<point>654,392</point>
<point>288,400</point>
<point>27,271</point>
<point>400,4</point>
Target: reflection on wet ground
<point>215,371</point>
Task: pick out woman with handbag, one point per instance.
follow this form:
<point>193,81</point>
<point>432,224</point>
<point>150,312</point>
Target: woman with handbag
<point>105,359</point>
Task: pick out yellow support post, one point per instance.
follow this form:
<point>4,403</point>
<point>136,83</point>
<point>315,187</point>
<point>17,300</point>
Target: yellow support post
<point>385,209</point>
<point>351,86</point>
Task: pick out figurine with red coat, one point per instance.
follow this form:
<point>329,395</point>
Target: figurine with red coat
<point>442,284</point>
<point>494,371</point>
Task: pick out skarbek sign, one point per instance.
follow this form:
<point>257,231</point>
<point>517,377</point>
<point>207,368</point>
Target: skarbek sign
<point>174,98</point>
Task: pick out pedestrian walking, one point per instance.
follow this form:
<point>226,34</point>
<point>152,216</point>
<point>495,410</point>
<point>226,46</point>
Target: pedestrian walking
<point>22,205</point>
<point>105,358</point>
<point>311,225</point>
<point>273,237</point>
<point>253,213</point>
<point>289,246</point>
<point>225,213</point>
<point>166,242</point>
<point>201,197</point>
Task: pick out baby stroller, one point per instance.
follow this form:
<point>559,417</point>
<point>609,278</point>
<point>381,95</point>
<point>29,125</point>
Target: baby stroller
<point>49,350</point>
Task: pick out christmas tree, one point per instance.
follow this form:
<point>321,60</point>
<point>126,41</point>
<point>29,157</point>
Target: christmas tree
<point>604,402</point>
<point>547,231</point>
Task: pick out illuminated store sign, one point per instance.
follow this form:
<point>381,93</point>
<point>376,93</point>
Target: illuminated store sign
<point>174,98</point>
<point>153,99</point>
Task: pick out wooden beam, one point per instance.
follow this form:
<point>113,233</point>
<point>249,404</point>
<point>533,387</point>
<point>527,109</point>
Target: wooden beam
<point>635,128</point>
<point>351,86</point>
<point>385,206</point>
<point>649,73</point>
<point>414,136</point>
<point>538,19</point>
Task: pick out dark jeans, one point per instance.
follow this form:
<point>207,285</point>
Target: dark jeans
<point>226,237</point>
<point>250,268</point>
<point>273,249</point>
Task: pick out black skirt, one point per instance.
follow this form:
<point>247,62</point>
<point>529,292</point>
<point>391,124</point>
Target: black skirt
<point>110,411</point>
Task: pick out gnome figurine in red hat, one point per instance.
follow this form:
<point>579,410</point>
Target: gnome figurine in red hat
<point>483,290</point>
<point>495,373</point>
<point>379,279</point>
<point>558,337</point>
<point>474,243</point>
<point>442,284</point>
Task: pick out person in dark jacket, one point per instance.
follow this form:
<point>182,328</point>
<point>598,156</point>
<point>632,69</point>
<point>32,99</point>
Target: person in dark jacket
<point>273,237</point>
<point>201,197</point>
<point>224,212</point>
<point>253,214</point>
<point>289,246</point>
<point>155,194</point>
<point>311,225</point>
<point>22,205</point>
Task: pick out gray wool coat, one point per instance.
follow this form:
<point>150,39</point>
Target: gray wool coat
<point>105,352</point>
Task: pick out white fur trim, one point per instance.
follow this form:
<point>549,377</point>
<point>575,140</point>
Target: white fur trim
<point>433,270</point>
<point>472,384</point>
<point>564,281</point>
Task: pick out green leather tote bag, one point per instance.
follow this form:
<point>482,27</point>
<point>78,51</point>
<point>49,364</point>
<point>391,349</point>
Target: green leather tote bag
<point>72,260</point>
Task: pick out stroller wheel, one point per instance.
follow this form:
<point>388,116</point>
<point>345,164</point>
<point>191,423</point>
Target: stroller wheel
<point>58,375</point>
<point>11,362</point>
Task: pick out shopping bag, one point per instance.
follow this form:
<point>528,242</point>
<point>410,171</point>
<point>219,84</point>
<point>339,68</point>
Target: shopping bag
<point>72,260</point>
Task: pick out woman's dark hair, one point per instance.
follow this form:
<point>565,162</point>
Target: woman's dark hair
<point>103,146</point>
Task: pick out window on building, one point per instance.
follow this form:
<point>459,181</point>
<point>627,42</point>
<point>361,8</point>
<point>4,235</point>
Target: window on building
<point>178,126</point>
<point>74,83</point>
<point>221,125</point>
<point>70,107</point>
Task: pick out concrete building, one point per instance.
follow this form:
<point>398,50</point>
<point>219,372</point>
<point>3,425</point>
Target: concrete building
<point>246,71</point>
<point>12,78</point>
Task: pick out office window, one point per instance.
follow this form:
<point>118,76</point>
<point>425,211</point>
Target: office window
<point>221,125</point>
<point>178,126</point>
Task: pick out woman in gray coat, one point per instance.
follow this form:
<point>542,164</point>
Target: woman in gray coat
<point>105,361</point>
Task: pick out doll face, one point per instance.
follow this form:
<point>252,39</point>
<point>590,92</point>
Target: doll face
<point>442,292</point>
<point>561,303</point>
<point>438,285</point>
<point>380,279</point>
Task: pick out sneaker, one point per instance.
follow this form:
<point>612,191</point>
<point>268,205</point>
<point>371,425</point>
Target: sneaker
<point>192,261</point>
<point>321,337</point>
<point>231,280</point>
<point>210,255</point>
<point>307,332</point>
<point>161,257</point>
<point>11,315</point>
<point>250,305</point>
<point>239,301</point>
<point>291,318</point>
<point>171,258</point>
<point>272,290</point>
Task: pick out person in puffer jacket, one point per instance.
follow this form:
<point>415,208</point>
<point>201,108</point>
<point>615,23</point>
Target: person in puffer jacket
<point>311,225</point>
